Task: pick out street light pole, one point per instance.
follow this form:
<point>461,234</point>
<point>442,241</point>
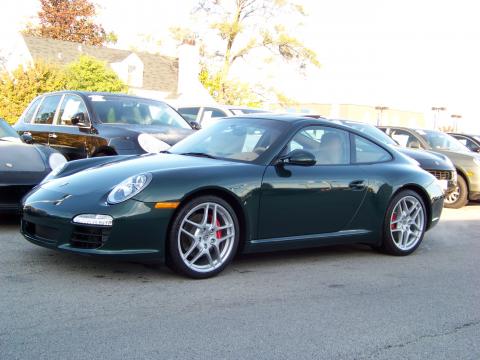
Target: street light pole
<point>456,118</point>
<point>437,110</point>
<point>380,110</point>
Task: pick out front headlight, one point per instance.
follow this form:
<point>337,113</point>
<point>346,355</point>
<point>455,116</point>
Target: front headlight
<point>128,188</point>
<point>151,144</point>
<point>56,161</point>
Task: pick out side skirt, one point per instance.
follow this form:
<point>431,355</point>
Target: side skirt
<point>314,240</point>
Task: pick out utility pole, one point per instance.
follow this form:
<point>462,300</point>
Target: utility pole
<point>456,118</point>
<point>380,110</point>
<point>437,110</point>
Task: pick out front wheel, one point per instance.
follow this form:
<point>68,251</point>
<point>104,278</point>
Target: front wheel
<point>405,224</point>
<point>203,238</point>
<point>459,197</point>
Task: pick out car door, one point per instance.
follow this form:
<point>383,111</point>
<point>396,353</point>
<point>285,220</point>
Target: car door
<point>310,200</point>
<point>67,137</point>
<point>41,124</point>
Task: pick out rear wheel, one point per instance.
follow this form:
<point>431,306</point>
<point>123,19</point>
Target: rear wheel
<point>203,238</point>
<point>459,197</point>
<point>405,224</point>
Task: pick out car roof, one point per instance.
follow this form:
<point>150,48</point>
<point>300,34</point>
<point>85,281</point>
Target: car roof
<point>93,93</point>
<point>291,118</point>
<point>219,106</point>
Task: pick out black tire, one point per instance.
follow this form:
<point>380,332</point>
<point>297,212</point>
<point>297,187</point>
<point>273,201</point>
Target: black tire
<point>459,198</point>
<point>389,245</point>
<point>174,257</point>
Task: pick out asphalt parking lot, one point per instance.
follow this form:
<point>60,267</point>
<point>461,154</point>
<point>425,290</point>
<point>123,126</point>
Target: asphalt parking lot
<point>344,302</point>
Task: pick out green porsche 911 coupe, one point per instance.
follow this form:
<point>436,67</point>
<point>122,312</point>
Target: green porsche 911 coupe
<point>246,184</point>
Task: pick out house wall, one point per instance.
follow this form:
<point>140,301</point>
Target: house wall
<point>130,70</point>
<point>14,53</point>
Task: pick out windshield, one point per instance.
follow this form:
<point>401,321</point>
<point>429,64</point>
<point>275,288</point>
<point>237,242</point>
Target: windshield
<point>441,141</point>
<point>232,139</point>
<point>130,110</point>
<point>6,131</point>
<point>371,131</point>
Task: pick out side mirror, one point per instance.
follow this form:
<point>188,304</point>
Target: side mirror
<point>79,119</point>
<point>195,125</point>
<point>298,157</point>
<point>26,138</point>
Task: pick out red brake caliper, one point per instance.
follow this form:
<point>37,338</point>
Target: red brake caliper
<point>219,232</point>
<point>394,226</point>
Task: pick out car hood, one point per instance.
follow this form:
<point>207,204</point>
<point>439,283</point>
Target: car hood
<point>459,157</point>
<point>19,157</point>
<point>110,174</point>
<point>170,135</point>
<point>428,160</point>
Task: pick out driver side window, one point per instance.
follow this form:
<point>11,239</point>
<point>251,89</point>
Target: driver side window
<point>330,146</point>
<point>72,105</point>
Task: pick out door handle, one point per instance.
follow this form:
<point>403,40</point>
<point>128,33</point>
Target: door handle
<point>357,185</point>
<point>52,136</point>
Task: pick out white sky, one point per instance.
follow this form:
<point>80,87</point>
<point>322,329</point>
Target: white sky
<point>409,54</point>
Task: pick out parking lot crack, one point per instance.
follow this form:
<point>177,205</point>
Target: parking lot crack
<point>420,338</point>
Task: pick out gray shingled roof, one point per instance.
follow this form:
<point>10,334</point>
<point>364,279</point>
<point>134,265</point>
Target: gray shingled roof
<point>159,72</point>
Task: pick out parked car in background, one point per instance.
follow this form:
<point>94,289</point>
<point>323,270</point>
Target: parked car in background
<point>472,142</point>
<point>203,114</point>
<point>86,124</point>
<point>439,165</point>
<point>247,184</point>
<point>466,163</point>
<point>22,166</point>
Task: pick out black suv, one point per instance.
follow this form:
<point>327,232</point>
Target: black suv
<point>85,124</point>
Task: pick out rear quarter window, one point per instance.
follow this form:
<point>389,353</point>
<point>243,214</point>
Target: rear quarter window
<point>368,152</point>
<point>30,111</point>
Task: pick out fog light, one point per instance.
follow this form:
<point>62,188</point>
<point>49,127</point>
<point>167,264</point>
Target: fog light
<point>93,219</point>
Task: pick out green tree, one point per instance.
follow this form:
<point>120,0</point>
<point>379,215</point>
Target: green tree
<point>18,89</point>
<point>70,20</point>
<point>230,91</point>
<point>90,74</point>
<point>247,25</point>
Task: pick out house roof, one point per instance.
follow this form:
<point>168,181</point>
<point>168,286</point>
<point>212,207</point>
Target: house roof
<point>159,72</point>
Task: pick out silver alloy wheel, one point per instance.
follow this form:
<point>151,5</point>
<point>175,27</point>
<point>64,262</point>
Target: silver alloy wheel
<point>206,237</point>
<point>407,223</point>
<point>453,197</point>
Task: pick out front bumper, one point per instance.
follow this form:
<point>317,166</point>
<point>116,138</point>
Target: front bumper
<point>437,197</point>
<point>138,231</point>
<point>447,178</point>
<point>474,184</point>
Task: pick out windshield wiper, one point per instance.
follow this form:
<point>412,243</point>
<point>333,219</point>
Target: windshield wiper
<point>165,152</point>
<point>199,154</point>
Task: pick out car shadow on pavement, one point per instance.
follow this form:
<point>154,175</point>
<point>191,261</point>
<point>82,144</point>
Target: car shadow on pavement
<point>103,269</point>
<point>9,220</point>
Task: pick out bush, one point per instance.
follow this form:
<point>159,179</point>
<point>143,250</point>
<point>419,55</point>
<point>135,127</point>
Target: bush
<point>18,89</point>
